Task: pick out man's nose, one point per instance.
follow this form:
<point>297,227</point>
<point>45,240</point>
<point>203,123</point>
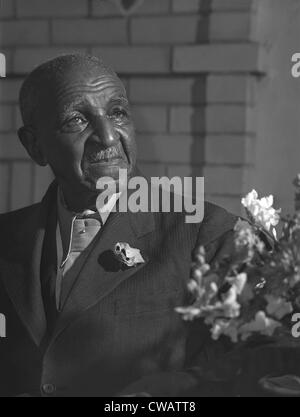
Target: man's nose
<point>105,131</point>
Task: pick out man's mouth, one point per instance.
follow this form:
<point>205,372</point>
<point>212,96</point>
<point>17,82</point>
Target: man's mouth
<point>111,156</point>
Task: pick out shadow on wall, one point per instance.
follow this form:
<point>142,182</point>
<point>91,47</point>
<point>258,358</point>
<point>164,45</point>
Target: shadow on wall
<point>186,121</point>
<point>199,100</point>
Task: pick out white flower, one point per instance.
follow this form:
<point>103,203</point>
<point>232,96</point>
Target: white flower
<point>231,308</point>
<point>189,313</point>
<point>278,307</point>
<point>225,328</point>
<point>128,256</point>
<point>193,287</point>
<point>262,210</point>
<point>262,324</point>
<point>238,282</point>
<point>297,182</point>
<point>295,279</point>
<point>250,199</point>
<point>247,294</point>
<point>230,303</point>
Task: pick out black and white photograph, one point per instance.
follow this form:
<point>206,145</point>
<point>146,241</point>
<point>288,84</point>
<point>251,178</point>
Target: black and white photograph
<point>149,201</point>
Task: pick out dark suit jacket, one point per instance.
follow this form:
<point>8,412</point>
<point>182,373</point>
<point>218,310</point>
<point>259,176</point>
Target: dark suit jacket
<point>118,326</point>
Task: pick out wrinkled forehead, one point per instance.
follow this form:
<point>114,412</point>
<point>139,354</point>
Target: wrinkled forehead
<point>80,80</point>
<point>79,83</point>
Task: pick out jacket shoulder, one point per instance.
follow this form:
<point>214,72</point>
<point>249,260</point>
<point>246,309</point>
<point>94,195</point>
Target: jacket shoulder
<point>16,226</point>
<point>216,223</point>
<point>15,217</point>
<point>214,213</point>
<point>27,216</point>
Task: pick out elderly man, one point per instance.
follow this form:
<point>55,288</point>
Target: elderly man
<point>79,322</point>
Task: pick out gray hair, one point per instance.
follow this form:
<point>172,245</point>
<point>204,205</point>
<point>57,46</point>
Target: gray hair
<point>30,97</point>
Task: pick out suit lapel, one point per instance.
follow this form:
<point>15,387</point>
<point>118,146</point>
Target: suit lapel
<point>22,285</point>
<point>101,273</point>
<point>21,276</point>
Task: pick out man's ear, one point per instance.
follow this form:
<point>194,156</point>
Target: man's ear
<point>29,140</point>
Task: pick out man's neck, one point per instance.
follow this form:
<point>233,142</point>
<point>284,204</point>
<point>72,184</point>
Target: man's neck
<point>78,202</point>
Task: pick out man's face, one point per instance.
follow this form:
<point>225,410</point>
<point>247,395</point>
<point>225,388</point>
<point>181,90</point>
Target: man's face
<point>86,131</point>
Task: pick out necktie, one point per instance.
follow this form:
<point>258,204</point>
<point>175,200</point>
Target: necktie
<point>84,230</point>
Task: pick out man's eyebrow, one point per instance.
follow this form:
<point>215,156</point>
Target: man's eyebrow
<point>78,103</point>
<point>119,99</point>
<point>68,108</point>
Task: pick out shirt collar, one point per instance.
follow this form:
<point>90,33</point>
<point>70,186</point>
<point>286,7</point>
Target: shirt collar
<point>67,217</point>
<point>103,211</point>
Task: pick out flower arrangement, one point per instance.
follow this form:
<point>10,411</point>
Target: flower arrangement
<point>256,289</point>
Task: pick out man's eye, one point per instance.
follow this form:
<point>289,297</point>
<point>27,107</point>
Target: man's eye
<point>119,114</point>
<point>75,123</point>
<point>77,120</point>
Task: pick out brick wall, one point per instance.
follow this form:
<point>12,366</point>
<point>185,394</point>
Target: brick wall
<point>190,68</point>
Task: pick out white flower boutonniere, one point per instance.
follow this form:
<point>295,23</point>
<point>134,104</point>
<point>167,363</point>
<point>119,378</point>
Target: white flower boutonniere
<point>128,256</point>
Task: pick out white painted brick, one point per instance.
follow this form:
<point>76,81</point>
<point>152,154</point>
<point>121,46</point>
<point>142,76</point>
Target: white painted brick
<point>155,7</point>
<point>152,119</point>
<point>230,5</point>
<point>102,8</point>
<point>168,30</point>
<point>168,90</point>
<point>52,8</point>
<point>136,60</point>
<point>11,148</point>
<point>7,9</point>
<point>24,32</point>
<point>231,27</point>
<point>179,170</point>
<point>230,119</point>
<point>6,118</point>
<point>243,57</point>
<point>188,119</point>
<point>18,122</point>
<point>232,204</point>
<point>26,59</point>
<point>234,149</point>
<point>9,90</point>
<point>182,149</point>
<point>152,169</point>
<point>231,89</point>
<point>87,31</point>
<point>187,6</point>
<point>212,119</point>
<point>196,6</point>
<point>224,180</point>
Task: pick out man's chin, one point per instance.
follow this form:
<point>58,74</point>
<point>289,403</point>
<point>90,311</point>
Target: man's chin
<point>109,173</point>
<point>106,169</point>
